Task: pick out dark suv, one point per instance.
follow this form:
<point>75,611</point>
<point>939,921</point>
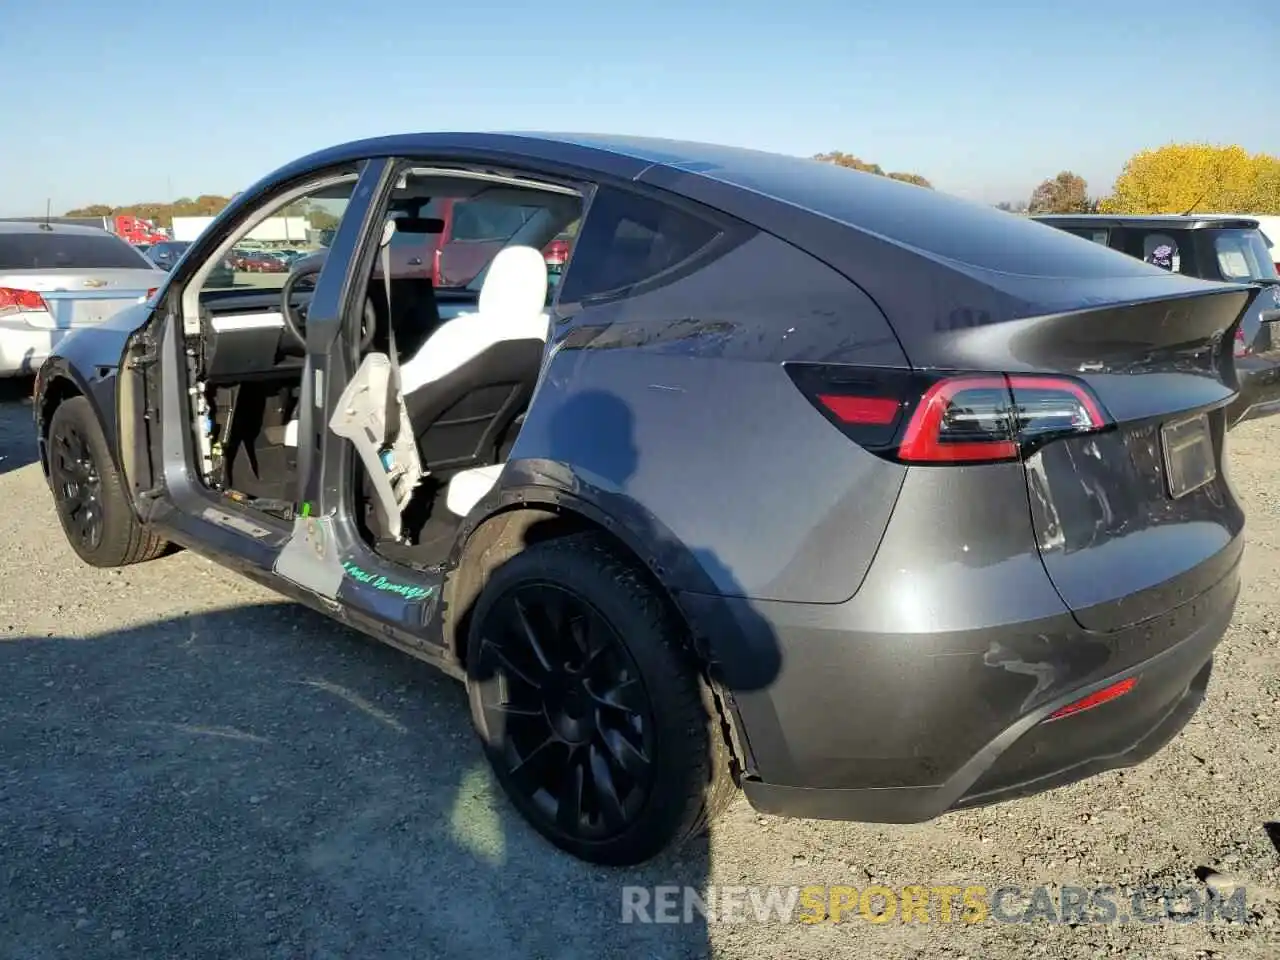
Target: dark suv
<point>1210,247</point>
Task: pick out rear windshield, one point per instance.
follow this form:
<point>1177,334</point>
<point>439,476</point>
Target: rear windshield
<point>1243,255</point>
<point>486,220</point>
<point>77,251</point>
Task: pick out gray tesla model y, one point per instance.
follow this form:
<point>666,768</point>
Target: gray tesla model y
<point>870,501</point>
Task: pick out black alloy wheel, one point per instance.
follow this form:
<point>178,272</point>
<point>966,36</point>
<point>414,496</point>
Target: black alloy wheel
<point>576,724</point>
<point>77,486</point>
<point>590,705</point>
<point>93,508</point>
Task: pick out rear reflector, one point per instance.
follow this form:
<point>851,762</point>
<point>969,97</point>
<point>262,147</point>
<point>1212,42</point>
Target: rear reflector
<point>21,301</point>
<point>1118,689</point>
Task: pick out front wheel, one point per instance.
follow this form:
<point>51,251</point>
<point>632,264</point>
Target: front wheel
<point>95,512</point>
<point>592,713</point>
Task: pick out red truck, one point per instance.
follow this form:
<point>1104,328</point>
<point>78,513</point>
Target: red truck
<point>135,230</point>
<point>131,229</point>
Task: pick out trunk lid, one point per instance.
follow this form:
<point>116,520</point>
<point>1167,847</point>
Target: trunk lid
<point>1140,518</point>
<point>82,297</point>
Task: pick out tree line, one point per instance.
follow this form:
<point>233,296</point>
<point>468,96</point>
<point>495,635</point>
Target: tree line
<point>1176,178</point>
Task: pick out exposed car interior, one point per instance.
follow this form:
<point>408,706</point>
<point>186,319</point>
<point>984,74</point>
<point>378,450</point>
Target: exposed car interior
<point>469,359</point>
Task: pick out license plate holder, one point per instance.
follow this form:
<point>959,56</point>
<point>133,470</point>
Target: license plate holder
<point>1188,454</point>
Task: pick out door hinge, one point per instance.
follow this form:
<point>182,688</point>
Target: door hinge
<point>146,355</point>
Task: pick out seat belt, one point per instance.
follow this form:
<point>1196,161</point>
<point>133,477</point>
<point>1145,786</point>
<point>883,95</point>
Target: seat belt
<point>399,454</point>
<point>371,413</point>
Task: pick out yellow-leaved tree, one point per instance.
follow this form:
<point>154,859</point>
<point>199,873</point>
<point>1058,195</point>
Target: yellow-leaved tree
<point>1197,176</point>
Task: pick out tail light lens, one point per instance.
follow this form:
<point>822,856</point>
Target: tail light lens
<point>21,301</point>
<point>962,419</point>
<point>557,253</point>
<point>1240,349</point>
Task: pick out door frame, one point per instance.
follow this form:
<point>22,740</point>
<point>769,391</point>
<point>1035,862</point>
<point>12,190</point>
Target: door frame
<point>229,531</point>
<point>370,594</point>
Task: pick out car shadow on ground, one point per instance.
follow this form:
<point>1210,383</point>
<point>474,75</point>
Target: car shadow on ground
<point>17,429</point>
<point>261,782</point>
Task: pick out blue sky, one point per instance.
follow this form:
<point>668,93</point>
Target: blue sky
<point>118,101</point>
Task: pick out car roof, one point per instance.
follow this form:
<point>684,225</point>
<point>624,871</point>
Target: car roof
<point>39,226</point>
<point>1155,221</point>
<point>919,253</point>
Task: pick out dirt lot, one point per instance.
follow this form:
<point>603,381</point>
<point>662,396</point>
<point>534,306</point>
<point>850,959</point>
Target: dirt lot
<point>189,767</point>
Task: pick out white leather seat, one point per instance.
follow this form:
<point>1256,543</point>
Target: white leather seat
<point>511,307</point>
<point>464,356</point>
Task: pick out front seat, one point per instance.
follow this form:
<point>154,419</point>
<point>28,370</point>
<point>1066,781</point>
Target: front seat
<point>473,377</point>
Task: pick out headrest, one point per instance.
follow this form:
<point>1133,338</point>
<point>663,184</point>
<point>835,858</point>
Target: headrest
<point>516,284</point>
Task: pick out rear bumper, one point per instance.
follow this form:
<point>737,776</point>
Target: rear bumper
<point>24,348</point>
<point>1259,390</point>
<point>943,733</point>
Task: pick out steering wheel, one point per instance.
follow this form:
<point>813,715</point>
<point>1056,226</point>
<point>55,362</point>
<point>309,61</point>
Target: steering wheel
<point>294,319</point>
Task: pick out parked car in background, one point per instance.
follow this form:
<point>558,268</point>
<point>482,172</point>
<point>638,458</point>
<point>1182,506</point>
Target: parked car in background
<point>1218,247</point>
<point>165,255</point>
<point>257,261</point>
<point>556,255</point>
<point>1270,228</point>
<point>55,278</point>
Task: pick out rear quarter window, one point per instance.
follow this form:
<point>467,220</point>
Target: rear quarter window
<point>71,251</point>
<point>627,239</point>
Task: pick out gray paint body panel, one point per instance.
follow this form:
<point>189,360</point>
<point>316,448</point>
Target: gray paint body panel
<point>876,630</point>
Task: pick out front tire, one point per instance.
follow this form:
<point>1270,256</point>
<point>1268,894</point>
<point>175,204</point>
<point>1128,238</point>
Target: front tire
<point>590,709</point>
<point>94,510</point>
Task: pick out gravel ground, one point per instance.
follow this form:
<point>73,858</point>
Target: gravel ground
<point>190,767</point>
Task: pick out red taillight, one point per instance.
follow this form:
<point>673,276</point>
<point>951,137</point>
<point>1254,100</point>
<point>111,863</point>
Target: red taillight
<point>1240,348</point>
<point>1118,689</point>
<point>987,418</point>
<point>21,301</point>
<point>969,418</point>
<point>556,254</point>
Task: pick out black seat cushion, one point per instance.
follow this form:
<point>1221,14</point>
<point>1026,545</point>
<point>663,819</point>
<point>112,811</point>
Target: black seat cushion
<point>460,419</point>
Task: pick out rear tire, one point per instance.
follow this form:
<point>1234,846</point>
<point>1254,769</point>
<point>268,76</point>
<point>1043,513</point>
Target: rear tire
<point>600,728</point>
<point>96,515</point>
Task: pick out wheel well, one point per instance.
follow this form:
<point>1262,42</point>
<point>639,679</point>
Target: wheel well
<point>502,536</point>
<point>57,391</point>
